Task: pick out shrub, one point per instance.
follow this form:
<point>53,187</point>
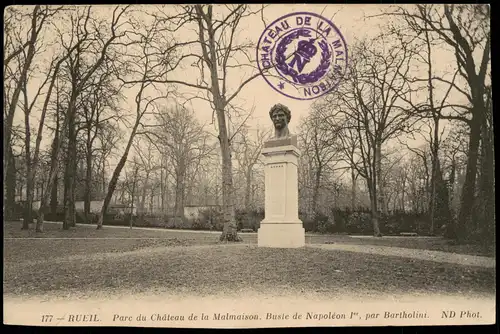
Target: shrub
<point>209,219</point>
<point>202,224</point>
<point>309,224</point>
<point>335,220</point>
<point>80,218</point>
<point>249,220</point>
<point>148,221</point>
<point>359,223</point>
<point>18,210</point>
<point>340,218</point>
<point>323,223</point>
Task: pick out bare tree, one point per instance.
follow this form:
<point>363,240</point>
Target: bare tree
<point>218,57</point>
<point>108,136</point>
<point>322,144</point>
<point>418,180</point>
<point>144,158</point>
<point>53,155</point>
<point>130,184</point>
<point>434,139</point>
<point>247,151</point>
<point>454,156</point>
<point>398,181</point>
<point>151,57</point>
<point>368,109</point>
<point>29,159</point>
<point>80,33</point>
<point>14,45</point>
<point>81,69</point>
<point>184,142</point>
<point>19,52</point>
<point>466,29</point>
<point>487,176</point>
<point>436,104</point>
<point>100,96</point>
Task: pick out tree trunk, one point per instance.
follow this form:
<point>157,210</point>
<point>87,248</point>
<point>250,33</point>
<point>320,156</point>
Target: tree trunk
<point>451,182</point>
<point>53,156</point>
<point>69,177</point>
<point>442,212</point>
<point>353,189</point>
<point>468,190</point>
<point>248,189</point>
<point>54,166</point>
<point>53,197</point>
<point>373,183</point>
<point>10,185</point>
<point>425,199</point>
<point>450,232</point>
<point>116,175</point>
<point>229,232</point>
<point>487,188</point>
<point>403,192</point>
<point>376,228</point>
<point>373,205</point>
<point>143,197</point>
<point>67,196</point>
<point>179,193</point>
<point>134,184</point>
<point>317,184</point>
<point>28,208</point>
<point>21,188</point>
<point>88,179</point>
<point>380,188</point>
<point>103,176</point>
<point>434,176</point>
<point>152,200</point>
<point>162,190</point>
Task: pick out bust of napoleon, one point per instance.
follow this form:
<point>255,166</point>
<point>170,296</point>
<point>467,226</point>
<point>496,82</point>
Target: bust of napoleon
<point>281,116</point>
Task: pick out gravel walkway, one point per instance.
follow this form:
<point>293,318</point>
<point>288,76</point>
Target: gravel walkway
<point>419,254</point>
<point>144,228</point>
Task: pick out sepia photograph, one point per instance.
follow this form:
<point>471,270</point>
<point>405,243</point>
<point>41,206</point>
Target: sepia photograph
<point>248,165</point>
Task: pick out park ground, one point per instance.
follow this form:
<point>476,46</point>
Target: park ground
<point>87,262</point>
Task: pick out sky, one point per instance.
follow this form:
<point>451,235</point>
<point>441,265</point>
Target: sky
<point>350,19</point>
<point>258,93</point>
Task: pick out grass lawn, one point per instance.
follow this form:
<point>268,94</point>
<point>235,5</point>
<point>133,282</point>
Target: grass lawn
<point>12,230</point>
<point>86,261</point>
<point>82,240</point>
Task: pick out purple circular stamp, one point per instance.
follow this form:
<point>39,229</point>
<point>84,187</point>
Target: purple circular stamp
<point>302,55</point>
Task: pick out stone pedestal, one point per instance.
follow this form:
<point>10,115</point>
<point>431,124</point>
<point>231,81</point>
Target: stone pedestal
<point>281,226</point>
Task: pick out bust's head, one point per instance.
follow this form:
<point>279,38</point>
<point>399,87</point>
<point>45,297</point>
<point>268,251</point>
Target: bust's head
<point>280,115</point>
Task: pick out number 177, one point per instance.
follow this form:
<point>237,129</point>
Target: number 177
<point>47,318</point>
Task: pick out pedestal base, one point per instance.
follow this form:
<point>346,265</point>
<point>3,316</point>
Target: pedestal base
<point>281,235</point>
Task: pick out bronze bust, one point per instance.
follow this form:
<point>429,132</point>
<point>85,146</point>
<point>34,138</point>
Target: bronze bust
<point>281,116</point>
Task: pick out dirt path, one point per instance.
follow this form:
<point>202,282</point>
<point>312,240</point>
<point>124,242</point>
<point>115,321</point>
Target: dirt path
<point>145,228</point>
<point>418,254</point>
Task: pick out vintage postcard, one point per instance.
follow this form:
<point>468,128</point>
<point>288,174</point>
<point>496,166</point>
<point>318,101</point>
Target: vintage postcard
<point>248,165</point>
